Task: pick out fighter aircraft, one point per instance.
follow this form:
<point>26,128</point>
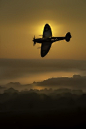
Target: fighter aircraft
<point>47,39</point>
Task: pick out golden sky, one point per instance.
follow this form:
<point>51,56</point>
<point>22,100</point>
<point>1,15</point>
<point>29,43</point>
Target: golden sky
<point>20,20</point>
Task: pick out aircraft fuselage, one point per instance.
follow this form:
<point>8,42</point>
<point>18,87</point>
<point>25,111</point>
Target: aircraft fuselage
<point>47,39</point>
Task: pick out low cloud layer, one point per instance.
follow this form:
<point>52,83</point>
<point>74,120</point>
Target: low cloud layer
<point>76,82</point>
<point>12,68</point>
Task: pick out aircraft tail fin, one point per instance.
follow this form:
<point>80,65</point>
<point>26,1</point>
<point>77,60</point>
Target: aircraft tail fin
<point>68,36</point>
<point>34,42</point>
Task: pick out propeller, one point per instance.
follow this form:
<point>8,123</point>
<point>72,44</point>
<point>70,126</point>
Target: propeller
<point>34,42</point>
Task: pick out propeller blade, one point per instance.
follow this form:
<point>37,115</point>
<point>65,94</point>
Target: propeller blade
<point>34,42</point>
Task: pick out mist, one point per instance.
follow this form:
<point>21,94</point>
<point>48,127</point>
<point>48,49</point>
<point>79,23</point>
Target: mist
<point>36,91</point>
<point>38,74</point>
<point>28,71</point>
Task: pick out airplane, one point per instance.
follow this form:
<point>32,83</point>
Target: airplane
<point>47,39</point>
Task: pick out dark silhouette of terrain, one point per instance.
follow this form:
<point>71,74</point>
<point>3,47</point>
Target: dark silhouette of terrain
<point>47,108</point>
<point>61,104</point>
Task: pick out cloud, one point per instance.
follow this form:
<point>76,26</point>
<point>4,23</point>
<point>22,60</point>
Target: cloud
<point>14,69</point>
<point>75,82</point>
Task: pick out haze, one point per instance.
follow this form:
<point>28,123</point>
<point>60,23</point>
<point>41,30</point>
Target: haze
<point>27,71</point>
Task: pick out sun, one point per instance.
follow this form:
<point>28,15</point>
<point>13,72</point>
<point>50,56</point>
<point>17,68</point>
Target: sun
<point>39,27</point>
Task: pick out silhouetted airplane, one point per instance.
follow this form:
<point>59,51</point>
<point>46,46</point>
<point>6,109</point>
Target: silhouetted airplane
<point>47,40</point>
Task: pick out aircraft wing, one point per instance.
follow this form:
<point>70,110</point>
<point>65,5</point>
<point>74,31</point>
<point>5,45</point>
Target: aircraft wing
<point>45,47</point>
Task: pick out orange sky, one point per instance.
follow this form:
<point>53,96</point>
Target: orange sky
<point>22,19</point>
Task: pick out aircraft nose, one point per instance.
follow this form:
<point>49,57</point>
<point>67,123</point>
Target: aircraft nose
<point>46,25</point>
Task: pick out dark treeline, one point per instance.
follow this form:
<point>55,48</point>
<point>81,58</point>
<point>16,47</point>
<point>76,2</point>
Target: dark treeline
<point>44,99</point>
<point>47,108</point>
<point>61,104</point>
